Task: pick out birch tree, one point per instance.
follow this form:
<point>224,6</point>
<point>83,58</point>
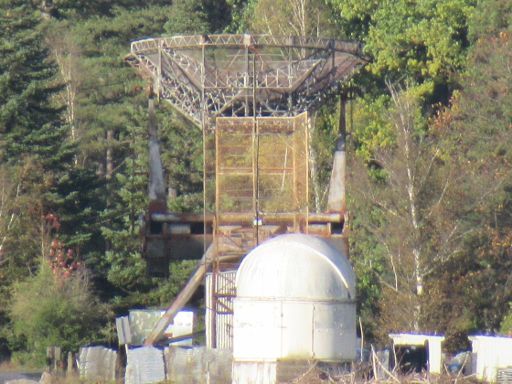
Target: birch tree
<point>284,18</point>
<point>418,206</point>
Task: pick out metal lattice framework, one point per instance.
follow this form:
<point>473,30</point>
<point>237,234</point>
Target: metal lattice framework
<point>244,75</point>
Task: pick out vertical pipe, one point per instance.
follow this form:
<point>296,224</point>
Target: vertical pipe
<point>212,255</point>
<point>159,71</point>
<point>306,168</point>
<point>246,81</point>
<point>296,208</point>
<point>255,154</point>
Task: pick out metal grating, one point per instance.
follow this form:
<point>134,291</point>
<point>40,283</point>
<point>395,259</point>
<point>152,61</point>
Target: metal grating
<point>220,290</point>
<point>260,178</point>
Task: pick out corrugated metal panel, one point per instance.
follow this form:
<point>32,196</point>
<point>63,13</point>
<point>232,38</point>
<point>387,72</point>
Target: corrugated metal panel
<point>145,365</point>
<point>97,363</point>
<point>226,290</point>
<point>124,334</point>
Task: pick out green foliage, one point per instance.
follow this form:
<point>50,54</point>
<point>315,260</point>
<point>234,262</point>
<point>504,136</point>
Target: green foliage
<point>122,264</point>
<point>427,40</point>
<point>392,229</point>
<point>238,9</point>
<point>282,18</point>
<point>460,189</point>
<point>423,39</point>
<point>506,324</point>
<point>47,310</point>
<point>190,17</point>
<point>179,273</point>
<point>19,238</point>
<point>29,123</point>
<point>368,259</point>
<point>82,9</point>
<point>182,156</point>
<point>489,18</point>
<point>76,199</point>
<point>371,129</point>
<point>479,149</point>
<point>187,17</point>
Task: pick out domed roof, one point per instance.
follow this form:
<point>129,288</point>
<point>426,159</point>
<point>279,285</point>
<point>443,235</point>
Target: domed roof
<point>297,267</point>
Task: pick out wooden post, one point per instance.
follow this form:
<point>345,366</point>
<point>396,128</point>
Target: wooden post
<point>70,366</point>
<point>57,361</point>
<point>50,357</point>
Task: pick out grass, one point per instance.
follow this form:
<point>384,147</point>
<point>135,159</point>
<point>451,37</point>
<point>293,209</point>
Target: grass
<point>12,366</point>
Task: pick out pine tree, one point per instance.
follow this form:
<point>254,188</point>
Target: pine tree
<point>30,124</point>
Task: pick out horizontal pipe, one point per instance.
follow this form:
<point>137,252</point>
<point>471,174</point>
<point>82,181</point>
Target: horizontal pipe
<point>269,218</point>
<point>168,217</point>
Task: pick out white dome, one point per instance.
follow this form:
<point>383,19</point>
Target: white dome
<point>296,267</point>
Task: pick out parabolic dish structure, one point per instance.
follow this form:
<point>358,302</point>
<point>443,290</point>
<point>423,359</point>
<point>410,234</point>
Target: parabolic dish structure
<point>208,76</point>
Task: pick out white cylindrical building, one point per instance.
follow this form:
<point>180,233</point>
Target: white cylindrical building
<point>295,302</point>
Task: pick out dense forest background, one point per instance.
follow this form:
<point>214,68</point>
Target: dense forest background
<point>429,141</point>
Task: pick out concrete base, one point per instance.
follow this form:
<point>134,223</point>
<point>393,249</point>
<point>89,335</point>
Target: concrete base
<point>281,372</point>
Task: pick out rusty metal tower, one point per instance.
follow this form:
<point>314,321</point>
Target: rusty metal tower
<point>250,96</point>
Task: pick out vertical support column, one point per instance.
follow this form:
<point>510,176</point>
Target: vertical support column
<point>435,355</point>
<point>296,199</point>
<point>255,154</point>
<point>336,198</point>
<point>158,80</point>
<point>246,82</point>
<point>210,258</point>
<point>305,134</point>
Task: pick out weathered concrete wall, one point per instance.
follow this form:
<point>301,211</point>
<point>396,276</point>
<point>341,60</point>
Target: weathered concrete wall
<point>199,365</point>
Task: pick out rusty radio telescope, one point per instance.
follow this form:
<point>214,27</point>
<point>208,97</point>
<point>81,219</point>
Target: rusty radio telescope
<point>250,95</point>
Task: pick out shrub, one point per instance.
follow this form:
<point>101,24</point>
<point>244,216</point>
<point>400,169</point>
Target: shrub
<point>50,309</point>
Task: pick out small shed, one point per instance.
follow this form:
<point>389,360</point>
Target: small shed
<point>418,352</point>
<point>491,355</point>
